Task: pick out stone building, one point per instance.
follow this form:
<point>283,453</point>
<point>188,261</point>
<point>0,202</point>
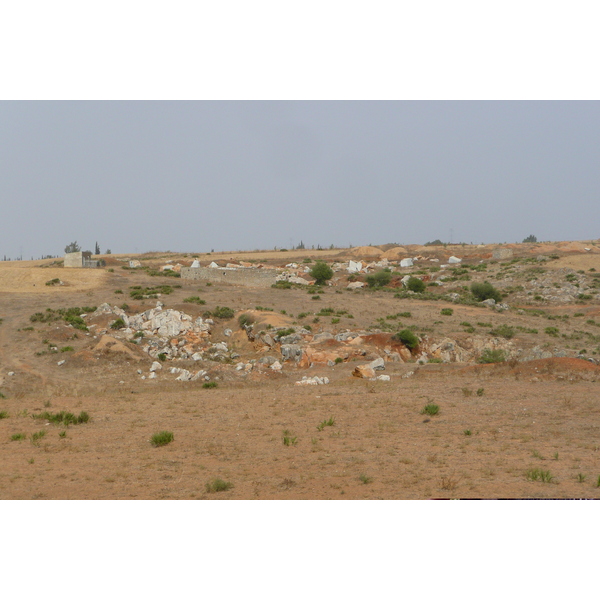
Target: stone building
<point>79,260</point>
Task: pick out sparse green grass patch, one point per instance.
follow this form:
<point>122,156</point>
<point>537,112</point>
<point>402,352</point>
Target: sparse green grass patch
<point>208,385</point>
<point>539,475</point>
<point>194,300</point>
<point>327,423</point>
<point>162,438</point>
<point>430,409</point>
<point>15,437</point>
<point>37,436</point>
<point>64,418</point>
<point>218,485</point>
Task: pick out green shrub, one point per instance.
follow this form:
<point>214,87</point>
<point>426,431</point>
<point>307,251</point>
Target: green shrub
<point>207,385</point>
<point>3,414</point>
<point>492,356</point>
<point>283,332</point>
<point>504,331</point>
<point>430,409</point>
<point>67,349</point>
<point>379,279</point>
<point>118,324</point>
<point>194,300</point>
<point>447,312</point>
<point>162,438</point>
<point>322,272</point>
<point>485,291</point>
<point>245,319</point>
<point>162,357</point>
<point>407,337</point>
<point>218,485</point>
<point>223,312</point>
<point>55,281</point>
<point>414,284</point>
<point>15,437</point>
<point>553,331</point>
<point>65,418</point>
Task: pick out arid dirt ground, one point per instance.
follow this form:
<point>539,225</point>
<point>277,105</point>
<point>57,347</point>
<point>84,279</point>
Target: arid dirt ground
<point>497,423</point>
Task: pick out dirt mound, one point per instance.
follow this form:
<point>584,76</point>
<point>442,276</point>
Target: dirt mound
<point>395,253</point>
<point>270,318</point>
<point>108,346</point>
<point>363,252</point>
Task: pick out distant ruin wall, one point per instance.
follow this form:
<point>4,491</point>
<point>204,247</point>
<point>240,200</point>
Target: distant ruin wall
<point>78,260</point>
<point>74,260</point>
<point>248,277</point>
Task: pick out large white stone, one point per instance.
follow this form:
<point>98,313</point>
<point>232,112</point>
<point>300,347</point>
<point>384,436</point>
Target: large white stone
<point>453,260</point>
<point>354,267</point>
<point>406,262</point>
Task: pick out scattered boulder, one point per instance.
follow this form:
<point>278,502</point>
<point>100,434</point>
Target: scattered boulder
<point>377,365</point>
<point>354,267</point>
<point>313,381</point>
<point>453,260</point>
<point>364,372</point>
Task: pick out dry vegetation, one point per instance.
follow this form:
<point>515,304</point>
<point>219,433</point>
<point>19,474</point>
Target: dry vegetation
<point>510,430</point>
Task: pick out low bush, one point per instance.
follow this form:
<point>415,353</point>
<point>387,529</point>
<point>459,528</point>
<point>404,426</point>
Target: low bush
<point>414,284</point>
<point>447,312</point>
<point>322,272</point>
<point>218,485</point>
<point>485,291</point>
<point>407,337</point>
<point>430,409</point>
<point>194,300</point>
<point>162,438</point>
<point>118,324</point>
<point>207,385</point>
<point>492,356</point>
<point>379,279</point>
<point>245,319</point>
<point>223,312</point>
<point>505,331</point>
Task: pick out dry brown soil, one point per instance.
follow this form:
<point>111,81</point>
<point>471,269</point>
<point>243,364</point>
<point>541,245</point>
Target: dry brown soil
<point>542,415</point>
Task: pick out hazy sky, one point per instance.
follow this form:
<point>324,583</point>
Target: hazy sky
<point>201,175</point>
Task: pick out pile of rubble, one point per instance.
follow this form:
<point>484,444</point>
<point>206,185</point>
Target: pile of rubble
<point>168,334</point>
